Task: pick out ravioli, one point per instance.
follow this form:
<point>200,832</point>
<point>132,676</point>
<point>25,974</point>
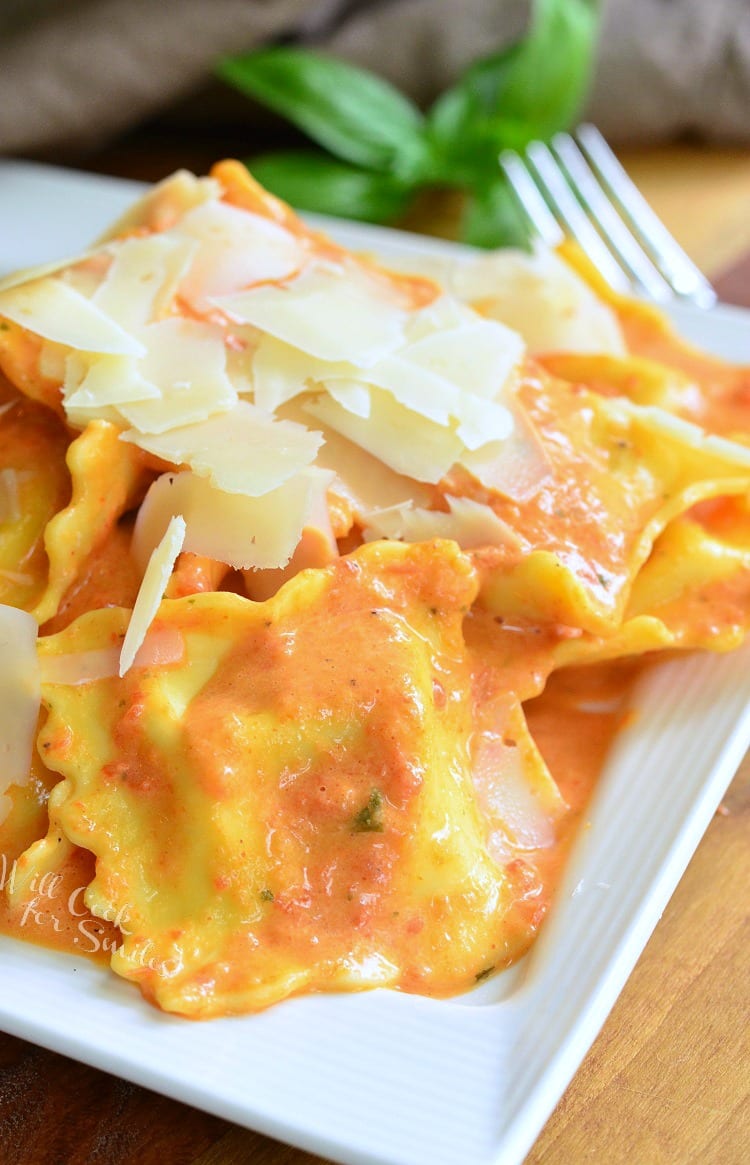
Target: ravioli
<point>697,580</point>
<point>311,755</point>
<point>619,474</point>
<point>107,478</point>
<point>723,388</point>
<point>34,486</point>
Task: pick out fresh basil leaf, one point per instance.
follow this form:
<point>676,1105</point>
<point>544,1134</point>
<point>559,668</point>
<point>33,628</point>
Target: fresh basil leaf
<point>350,112</point>
<point>548,81</point>
<point>527,91</point>
<point>312,181</point>
<point>493,218</point>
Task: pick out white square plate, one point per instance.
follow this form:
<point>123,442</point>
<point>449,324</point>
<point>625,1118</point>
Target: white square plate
<point>381,1077</point>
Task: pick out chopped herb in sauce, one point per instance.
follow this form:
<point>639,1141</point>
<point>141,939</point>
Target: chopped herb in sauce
<point>370,819</point>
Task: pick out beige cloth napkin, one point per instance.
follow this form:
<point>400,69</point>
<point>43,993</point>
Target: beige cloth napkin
<point>74,73</point>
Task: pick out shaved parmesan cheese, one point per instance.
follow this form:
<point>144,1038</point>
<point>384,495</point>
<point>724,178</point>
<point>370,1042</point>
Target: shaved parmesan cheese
<point>417,389</point>
<point>334,313</point>
<point>143,278</point>
<point>478,356</point>
<point>541,297</point>
<point>483,421</point>
<point>444,313</point>
<point>153,585</point>
<point>82,667</point>
<point>160,647</point>
<point>164,204</point>
<point>52,359</point>
<point>53,310</point>
<point>243,451</point>
<point>77,366</point>
<point>363,480</point>
<point>280,372</point>
<point>86,277</point>
<point>108,380</point>
<point>510,799</point>
<point>20,695</point>
<point>351,395</point>
<point>186,360</point>
<point>237,249</point>
<point>401,439</point>
<point>104,378</point>
<point>228,527</point>
<point>446,376</point>
<point>517,466</point>
<point>42,271</point>
<point>471,524</point>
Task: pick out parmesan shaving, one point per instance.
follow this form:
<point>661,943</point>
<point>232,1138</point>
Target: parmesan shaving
<point>54,310</point>
<point>280,372</point>
<point>42,271</point>
<point>352,395</point>
<point>541,297</point>
<point>52,359</point>
<point>244,532</point>
<point>20,695</point>
<point>153,585</point>
<point>403,440</point>
<point>417,389</point>
<point>483,421</point>
<point>477,356</point>
<point>363,480</point>
<point>164,204</point>
<point>143,278</point>
<point>243,451</point>
<point>235,249</point>
<point>160,647</point>
<point>516,467</point>
<point>186,360</point>
<point>444,313</point>
<point>106,380</point>
<point>333,313</point>
<point>471,524</point>
<point>456,375</point>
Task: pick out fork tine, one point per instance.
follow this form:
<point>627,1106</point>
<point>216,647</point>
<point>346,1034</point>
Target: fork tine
<point>682,274</point>
<point>527,192</point>
<point>554,185</point>
<point>628,250</point>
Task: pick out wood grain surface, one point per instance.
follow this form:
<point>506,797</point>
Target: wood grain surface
<point>668,1080</point>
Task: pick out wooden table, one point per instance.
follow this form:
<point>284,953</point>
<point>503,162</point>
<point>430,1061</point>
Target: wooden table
<point>668,1080</point>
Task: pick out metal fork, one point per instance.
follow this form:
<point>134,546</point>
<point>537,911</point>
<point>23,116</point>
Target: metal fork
<point>576,187</point>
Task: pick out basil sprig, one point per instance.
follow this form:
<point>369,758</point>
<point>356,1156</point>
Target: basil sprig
<point>386,150</point>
